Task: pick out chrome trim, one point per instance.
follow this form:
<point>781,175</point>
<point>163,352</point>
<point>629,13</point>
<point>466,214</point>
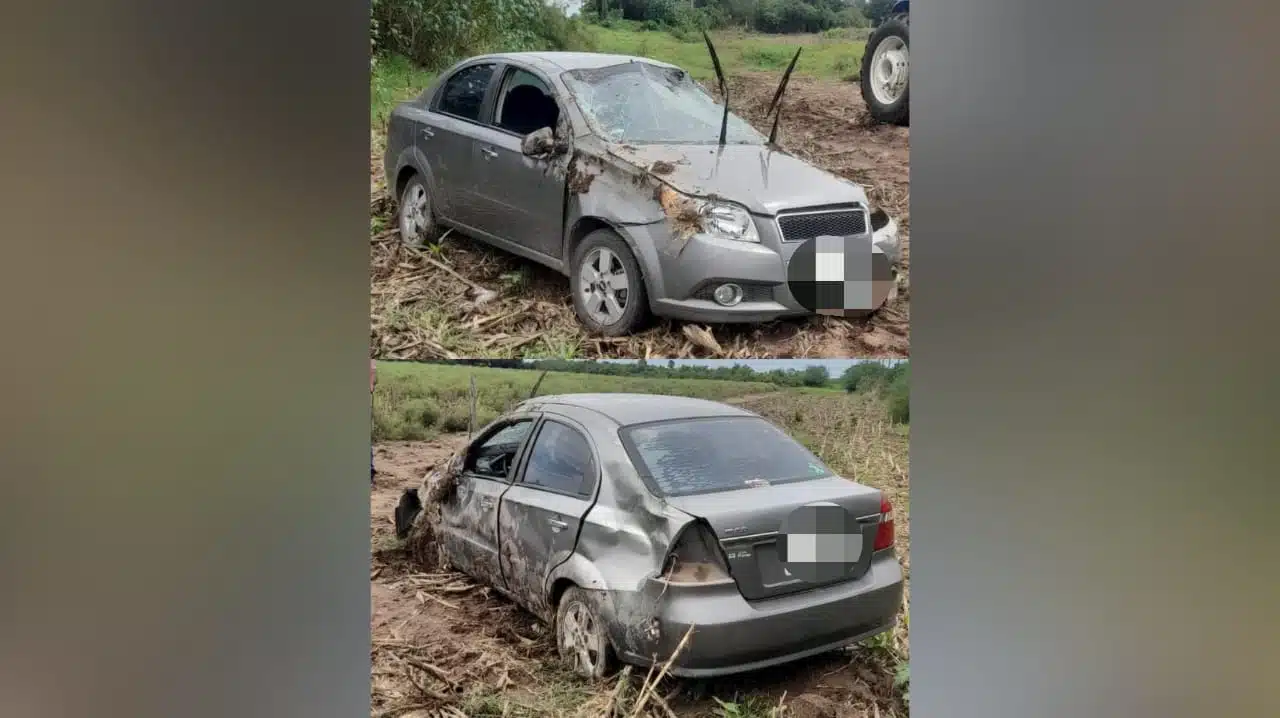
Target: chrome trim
<point>875,518</point>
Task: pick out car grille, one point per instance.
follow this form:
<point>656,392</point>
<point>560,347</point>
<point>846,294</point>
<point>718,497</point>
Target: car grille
<point>750,292</point>
<point>799,226</point>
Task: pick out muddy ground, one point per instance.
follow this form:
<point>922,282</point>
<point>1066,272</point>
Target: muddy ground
<point>443,646</point>
<point>421,302</point>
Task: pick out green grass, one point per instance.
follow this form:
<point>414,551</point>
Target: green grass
<point>419,401</point>
<point>393,80</point>
<point>832,56</point>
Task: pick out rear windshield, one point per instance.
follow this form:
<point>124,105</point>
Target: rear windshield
<point>698,456</point>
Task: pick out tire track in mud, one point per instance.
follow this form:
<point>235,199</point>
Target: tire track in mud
<point>438,639</point>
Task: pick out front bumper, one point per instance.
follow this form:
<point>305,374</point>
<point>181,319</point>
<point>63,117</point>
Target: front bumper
<point>677,282</point>
<point>732,635</point>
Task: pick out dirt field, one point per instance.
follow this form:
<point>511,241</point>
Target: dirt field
<point>420,301</point>
<point>442,646</point>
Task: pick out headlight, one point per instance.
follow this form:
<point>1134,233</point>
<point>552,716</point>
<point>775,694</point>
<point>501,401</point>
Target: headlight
<point>728,221</point>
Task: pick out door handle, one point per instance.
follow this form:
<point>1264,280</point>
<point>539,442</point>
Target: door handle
<point>488,153</point>
<point>557,525</point>
<point>428,133</point>
<point>486,502</point>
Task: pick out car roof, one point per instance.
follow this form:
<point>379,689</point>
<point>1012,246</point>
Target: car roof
<point>627,409</point>
<point>571,60</point>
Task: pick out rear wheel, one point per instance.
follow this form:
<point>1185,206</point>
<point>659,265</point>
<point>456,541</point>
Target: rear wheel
<point>414,215</point>
<point>885,72</point>
<point>580,636</point>
<point>608,289</point>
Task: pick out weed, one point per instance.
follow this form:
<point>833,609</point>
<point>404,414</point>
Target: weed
<point>516,281</point>
<point>902,681</point>
<point>749,707</point>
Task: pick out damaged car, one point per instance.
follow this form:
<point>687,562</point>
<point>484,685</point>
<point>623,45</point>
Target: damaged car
<point>628,177</point>
<point>629,521</point>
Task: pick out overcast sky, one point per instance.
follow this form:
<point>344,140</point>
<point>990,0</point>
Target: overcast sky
<point>571,7</point>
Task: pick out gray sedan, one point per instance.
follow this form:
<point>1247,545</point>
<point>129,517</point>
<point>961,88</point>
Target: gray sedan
<point>625,520</point>
<point>628,177</point>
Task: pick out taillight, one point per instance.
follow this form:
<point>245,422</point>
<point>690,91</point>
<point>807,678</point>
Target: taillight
<point>884,531</point>
<point>695,557</point>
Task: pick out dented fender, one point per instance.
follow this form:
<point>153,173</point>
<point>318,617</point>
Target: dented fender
<point>620,549</point>
<point>619,561</point>
<point>606,190</point>
<point>413,157</point>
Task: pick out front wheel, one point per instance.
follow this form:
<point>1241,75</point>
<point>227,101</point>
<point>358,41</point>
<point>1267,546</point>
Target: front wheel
<point>885,72</point>
<point>608,288</point>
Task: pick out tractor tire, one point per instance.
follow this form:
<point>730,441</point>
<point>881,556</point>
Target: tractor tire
<point>886,57</point>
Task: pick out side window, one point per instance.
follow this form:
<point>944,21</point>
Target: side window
<point>525,104</point>
<point>463,94</point>
<point>561,461</point>
<point>494,456</point>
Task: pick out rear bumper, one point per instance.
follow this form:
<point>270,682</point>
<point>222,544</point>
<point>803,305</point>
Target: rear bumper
<point>732,635</point>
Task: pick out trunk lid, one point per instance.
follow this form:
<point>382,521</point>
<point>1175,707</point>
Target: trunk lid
<point>749,523</point>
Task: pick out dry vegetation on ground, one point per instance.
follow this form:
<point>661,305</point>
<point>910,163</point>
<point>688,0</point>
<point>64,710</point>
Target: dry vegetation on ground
<point>444,646</point>
<point>424,304</point>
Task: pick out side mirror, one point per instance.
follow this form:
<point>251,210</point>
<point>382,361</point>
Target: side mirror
<point>539,143</point>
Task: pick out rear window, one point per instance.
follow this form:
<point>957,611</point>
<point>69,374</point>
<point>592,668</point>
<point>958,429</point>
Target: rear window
<point>698,456</point>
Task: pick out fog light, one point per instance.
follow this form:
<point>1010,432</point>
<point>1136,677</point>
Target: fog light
<point>727,294</point>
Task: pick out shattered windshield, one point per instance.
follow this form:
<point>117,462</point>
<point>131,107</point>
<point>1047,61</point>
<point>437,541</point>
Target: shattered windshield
<point>695,456</point>
<point>643,103</point>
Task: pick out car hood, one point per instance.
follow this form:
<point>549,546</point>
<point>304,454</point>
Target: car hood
<point>763,179</point>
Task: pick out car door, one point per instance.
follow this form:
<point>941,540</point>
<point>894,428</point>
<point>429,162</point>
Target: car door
<point>522,201</point>
<point>469,520</point>
<point>448,135</point>
<point>543,510</point>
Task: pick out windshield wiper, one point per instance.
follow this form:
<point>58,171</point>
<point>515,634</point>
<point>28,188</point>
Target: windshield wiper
<point>777,98</point>
<point>724,88</point>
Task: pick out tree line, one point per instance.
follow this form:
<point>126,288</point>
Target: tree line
<point>890,379</point>
<point>770,16</point>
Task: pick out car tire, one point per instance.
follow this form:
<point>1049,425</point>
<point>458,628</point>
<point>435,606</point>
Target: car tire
<point>580,636</point>
<point>895,31</point>
<point>415,216</point>
<point>591,298</point>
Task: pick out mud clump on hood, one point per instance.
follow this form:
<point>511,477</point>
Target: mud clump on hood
<point>681,213</point>
<point>662,167</point>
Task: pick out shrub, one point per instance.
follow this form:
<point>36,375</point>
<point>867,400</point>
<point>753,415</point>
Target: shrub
<point>815,375</point>
<point>899,396</point>
<point>436,33</point>
<point>864,376</point>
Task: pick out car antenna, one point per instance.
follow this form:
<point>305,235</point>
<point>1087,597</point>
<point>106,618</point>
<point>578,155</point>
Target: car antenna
<point>724,88</point>
<point>776,104</point>
<point>536,384</point>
